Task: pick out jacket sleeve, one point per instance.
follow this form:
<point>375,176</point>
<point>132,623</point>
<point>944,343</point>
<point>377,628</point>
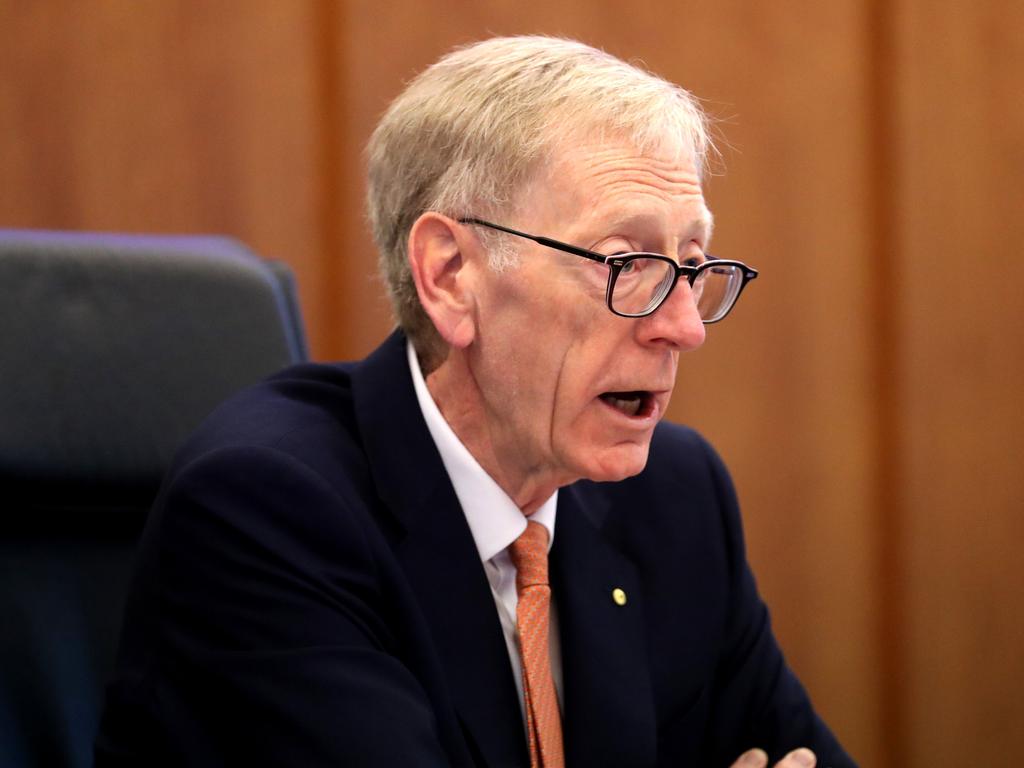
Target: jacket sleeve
<point>259,630</point>
<point>758,701</point>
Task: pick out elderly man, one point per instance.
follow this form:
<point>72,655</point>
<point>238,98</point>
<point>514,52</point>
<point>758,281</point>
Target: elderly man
<point>479,546</point>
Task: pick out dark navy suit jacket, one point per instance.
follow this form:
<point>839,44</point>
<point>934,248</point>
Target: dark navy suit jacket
<point>309,594</point>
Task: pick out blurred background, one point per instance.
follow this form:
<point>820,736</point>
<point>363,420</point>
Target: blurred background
<point>867,391</point>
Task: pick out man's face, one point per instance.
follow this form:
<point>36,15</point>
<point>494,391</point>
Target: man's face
<point>569,389</point>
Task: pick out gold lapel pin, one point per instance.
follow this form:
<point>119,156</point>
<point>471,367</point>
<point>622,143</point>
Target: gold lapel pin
<point>619,596</point>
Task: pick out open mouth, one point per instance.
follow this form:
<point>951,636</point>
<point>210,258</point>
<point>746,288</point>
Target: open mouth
<point>638,403</point>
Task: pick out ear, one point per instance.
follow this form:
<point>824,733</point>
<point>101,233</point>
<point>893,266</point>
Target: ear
<point>442,276</point>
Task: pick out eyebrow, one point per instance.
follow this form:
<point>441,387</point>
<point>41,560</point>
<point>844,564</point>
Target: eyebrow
<point>703,225</point>
<point>707,223</point>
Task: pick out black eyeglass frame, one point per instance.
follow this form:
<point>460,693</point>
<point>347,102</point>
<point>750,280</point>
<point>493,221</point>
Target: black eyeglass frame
<point>615,264</point>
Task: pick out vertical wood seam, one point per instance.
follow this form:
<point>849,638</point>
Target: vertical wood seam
<point>883,210</point>
<point>329,140</point>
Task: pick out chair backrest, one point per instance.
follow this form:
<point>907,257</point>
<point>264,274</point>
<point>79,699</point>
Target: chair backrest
<point>112,350</point>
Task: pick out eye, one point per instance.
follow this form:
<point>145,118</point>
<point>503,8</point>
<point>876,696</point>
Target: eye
<point>616,245</point>
<point>694,260</point>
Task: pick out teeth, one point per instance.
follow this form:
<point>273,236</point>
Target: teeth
<point>628,405</point>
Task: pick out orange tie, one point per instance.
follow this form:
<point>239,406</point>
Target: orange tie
<point>543,723</point>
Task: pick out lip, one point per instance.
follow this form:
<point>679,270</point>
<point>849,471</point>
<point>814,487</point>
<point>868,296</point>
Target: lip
<point>654,408</point>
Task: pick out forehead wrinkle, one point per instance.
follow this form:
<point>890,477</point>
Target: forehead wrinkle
<point>666,177</point>
<point>591,186</point>
<point>621,203</point>
<point>628,190</point>
<point>609,171</point>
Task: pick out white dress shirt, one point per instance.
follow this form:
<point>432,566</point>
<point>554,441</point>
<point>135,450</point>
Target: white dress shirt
<point>495,522</point>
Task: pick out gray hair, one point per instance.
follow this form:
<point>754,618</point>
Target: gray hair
<point>469,132</point>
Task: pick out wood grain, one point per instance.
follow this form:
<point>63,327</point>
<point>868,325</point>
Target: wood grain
<point>961,216</point>
<point>164,117</point>
<point>865,392</point>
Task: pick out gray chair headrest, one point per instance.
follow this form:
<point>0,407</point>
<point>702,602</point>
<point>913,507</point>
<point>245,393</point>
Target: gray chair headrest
<point>114,347</point>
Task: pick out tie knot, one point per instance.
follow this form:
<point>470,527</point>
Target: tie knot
<point>530,556</point>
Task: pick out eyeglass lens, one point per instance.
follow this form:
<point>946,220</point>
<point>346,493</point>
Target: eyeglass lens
<point>716,290</point>
<point>642,285</point>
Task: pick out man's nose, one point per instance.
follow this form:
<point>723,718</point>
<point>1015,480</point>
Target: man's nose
<point>675,323</point>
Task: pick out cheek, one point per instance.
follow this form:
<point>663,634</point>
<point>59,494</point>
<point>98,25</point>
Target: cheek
<point>579,417</point>
<point>545,342</point>
<point>545,337</point>
<point>522,362</point>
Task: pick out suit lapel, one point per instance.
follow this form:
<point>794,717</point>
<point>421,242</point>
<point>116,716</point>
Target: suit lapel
<point>609,708</point>
<point>439,556</point>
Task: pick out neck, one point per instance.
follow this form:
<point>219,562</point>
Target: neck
<point>453,387</point>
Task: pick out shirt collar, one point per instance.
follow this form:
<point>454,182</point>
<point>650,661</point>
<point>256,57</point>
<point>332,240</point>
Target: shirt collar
<point>494,519</point>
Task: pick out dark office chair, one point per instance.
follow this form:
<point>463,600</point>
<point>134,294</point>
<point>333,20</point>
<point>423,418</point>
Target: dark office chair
<point>112,349</point>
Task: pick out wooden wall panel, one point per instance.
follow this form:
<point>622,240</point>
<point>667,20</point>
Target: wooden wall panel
<point>864,393</point>
<point>960,336</point>
<point>165,117</point>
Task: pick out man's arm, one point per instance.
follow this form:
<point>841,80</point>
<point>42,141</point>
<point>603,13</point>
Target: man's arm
<point>261,632</point>
<point>753,677</point>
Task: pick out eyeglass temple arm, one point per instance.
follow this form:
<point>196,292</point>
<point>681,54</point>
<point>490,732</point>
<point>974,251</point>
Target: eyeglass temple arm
<point>546,241</point>
<point>681,269</point>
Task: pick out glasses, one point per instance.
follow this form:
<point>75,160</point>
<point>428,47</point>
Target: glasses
<point>639,283</point>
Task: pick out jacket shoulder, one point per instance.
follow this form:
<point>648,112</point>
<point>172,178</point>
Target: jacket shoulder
<point>680,457</point>
<point>298,410</point>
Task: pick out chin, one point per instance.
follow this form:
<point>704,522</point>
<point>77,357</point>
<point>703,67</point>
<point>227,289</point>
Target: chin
<point>617,463</point>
